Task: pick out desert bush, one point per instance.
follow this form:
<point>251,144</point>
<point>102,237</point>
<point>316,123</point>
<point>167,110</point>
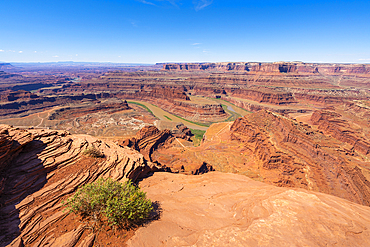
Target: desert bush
<point>93,152</point>
<point>111,202</point>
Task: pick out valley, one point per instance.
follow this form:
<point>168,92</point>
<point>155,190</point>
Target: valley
<point>236,151</point>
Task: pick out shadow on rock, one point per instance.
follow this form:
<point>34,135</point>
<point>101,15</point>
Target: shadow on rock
<point>21,174</point>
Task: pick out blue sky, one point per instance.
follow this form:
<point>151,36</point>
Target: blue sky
<point>150,31</point>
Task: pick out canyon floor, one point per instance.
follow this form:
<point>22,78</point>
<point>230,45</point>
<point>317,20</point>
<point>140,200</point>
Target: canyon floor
<point>231,154</point>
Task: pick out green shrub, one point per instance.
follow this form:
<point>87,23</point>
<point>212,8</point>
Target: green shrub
<point>120,204</point>
<point>93,152</point>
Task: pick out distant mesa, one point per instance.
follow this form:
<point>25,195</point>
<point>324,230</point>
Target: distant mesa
<point>276,67</point>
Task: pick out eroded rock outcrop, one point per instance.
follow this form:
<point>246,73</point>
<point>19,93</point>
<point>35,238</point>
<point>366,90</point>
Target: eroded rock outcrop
<point>40,168</point>
<point>218,209</point>
<point>294,155</point>
<point>150,138</point>
<point>178,130</point>
<point>33,103</point>
<point>111,106</point>
<point>261,96</point>
<point>276,67</point>
<point>333,124</point>
<point>178,103</point>
<point>20,94</point>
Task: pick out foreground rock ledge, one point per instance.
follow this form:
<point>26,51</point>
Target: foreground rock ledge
<point>41,168</point>
<point>217,209</point>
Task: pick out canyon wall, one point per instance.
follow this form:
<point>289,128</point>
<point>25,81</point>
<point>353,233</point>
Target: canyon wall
<point>294,155</point>
<point>263,96</point>
<point>41,168</point>
<point>333,124</point>
<point>276,67</point>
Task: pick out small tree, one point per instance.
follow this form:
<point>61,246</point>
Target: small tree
<point>120,204</point>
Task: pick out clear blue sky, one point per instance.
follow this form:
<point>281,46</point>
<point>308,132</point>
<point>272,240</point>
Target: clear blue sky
<point>150,31</point>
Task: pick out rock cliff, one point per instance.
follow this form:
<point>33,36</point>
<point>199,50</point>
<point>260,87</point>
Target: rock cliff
<point>276,67</point>
<point>291,154</point>
<point>332,123</point>
<point>12,96</point>
<point>150,138</point>
<point>30,103</point>
<point>40,168</point>
<point>263,96</point>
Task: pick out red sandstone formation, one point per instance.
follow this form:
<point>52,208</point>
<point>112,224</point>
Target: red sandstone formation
<point>218,209</point>
<point>31,103</point>
<point>321,99</point>
<point>172,100</point>
<point>39,169</point>
<point>253,107</point>
<point>150,138</point>
<point>178,103</point>
<point>73,112</point>
<point>18,95</point>
<point>360,110</point>
<point>178,130</point>
<point>278,151</point>
<point>157,93</point>
<point>147,140</point>
<point>277,67</point>
<point>294,155</point>
<point>276,98</point>
<point>331,123</point>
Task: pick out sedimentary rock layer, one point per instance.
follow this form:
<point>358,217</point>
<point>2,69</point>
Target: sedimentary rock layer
<point>73,112</point>
<point>31,103</point>
<point>294,155</point>
<point>150,138</point>
<point>333,124</point>
<point>147,140</point>
<point>277,67</point>
<point>218,209</point>
<point>276,98</point>
<point>40,168</point>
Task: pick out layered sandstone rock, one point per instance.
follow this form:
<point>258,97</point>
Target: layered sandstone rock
<point>40,168</point>
<point>277,150</point>
<point>150,138</point>
<point>333,124</point>
<point>12,96</point>
<point>217,209</point>
<point>276,67</point>
<point>173,100</point>
<point>111,106</point>
<point>262,96</point>
<point>254,106</point>
<point>321,99</point>
<point>178,130</point>
<point>157,93</point>
<point>294,155</point>
<point>33,104</point>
